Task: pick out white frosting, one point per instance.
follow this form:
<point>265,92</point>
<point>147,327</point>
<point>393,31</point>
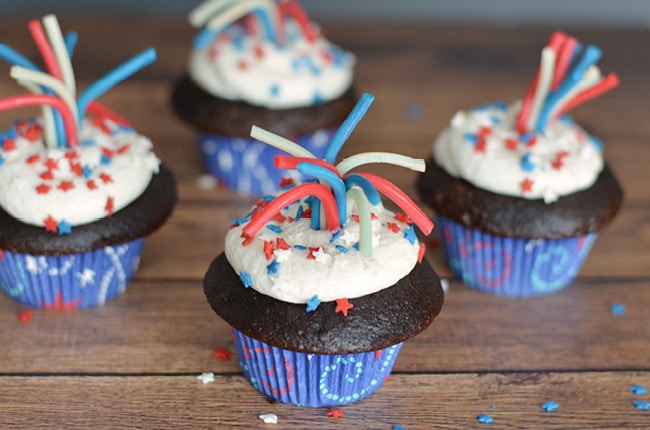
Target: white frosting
<point>110,168</point>
<point>332,273</point>
<point>250,68</point>
<point>483,147</point>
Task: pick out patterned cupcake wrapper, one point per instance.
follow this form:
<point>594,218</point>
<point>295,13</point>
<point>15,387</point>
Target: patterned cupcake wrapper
<point>313,380</point>
<point>81,280</point>
<point>510,266</point>
<point>246,165</point>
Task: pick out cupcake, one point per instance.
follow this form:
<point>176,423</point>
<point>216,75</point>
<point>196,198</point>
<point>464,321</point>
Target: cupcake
<point>265,64</point>
<point>321,283</point>
<point>79,187</point>
<point>520,190</point>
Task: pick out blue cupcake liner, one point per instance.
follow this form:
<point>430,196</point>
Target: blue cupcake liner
<point>313,380</point>
<point>246,165</point>
<point>511,266</point>
<point>64,282</point>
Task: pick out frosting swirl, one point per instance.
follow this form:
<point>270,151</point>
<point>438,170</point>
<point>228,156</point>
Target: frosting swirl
<point>483,147</point>
<point>238,65</point>
<point>45,186</point>
<point>289,261</point>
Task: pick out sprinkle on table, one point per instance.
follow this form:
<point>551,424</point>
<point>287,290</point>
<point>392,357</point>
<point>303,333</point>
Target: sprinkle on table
<point>269,418</point>
<point>335,413</point>
<point>206,377</point>
<point>25,316</point>
<point>221,354</point>
<point>550,406</point>
<point>639,390</point>
<point>484,418</point>
<point>617,309</point>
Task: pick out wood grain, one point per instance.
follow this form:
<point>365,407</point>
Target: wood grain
<point>133,363</point>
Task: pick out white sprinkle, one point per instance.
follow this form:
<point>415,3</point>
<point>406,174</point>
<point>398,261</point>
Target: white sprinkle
<point>206,182</point>
<point>445,285</point>
<point>206,377</point>
<point>269,418</point>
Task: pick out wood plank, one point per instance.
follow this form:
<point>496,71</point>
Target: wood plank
<point>167,327</point>
<point>586,400</point>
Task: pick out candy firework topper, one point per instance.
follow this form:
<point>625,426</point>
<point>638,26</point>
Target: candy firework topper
<point>320,282</point>
<point>260,62</point>
<point>79,188</point>
<point>521,190</point>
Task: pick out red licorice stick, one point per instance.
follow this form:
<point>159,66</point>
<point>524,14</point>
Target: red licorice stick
<point>293,9</point>
<point>290,162</point>
<point>265,214</point>
<point>391,191</point>
<point>39,99</point>
<point>562,61</point>
<point>102,111</point>
<point>43,45</point>
<point>605,84</point>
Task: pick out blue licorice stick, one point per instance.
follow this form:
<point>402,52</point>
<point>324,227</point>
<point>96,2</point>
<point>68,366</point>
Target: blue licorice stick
<point>70,39</point>
<point>366,186</point>
<point>347,127</point>
<point>333,180</point>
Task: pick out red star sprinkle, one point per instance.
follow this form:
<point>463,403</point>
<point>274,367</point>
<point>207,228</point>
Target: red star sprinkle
<point>335,413</point>
<point>65,186</point>
<point>343,306</point>
<point>43,189</point>
<point>306,213</point>
<point>526,186</point>
<point>484,131</point>
<point>243,66</point>
<point>326,56</point>
<point>399,216</point>
<point>531,142</point>
<point>285,182</point>
<point>259,52</point>
<point>281,244</point>
<point>378,354</point>
<point>9,144</point>
<point>423,248</point>
<point>71,155</point>
<point>392,227</point>
<point>123,149</point>
<point>25,316</point>
<point>511,144</point>
<point>312,250</point>
<point>101,124</point>
<point>221,354</point>
<point>355,217</point>
<point>76,169</point>
<point>52,164</point>
<point>279,218</point>
<point>46,175</point>
<point>33,159</point>
<point>50,224</point>
<point>106,178</point>
<point>32,133</point>
<point>557,164</point>
<point>481,145</point>
<point>213,53</point>
<point>107,152</point>
<point>268,249</point>
<point>110,205</point>
<point>91,184</point>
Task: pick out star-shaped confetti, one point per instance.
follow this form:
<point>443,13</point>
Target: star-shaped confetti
<point>269,418</point>
<point>409,234</point>
<point>343,306</point>
<point>64,227</point>
<point>484,418</point>
<point>221,354</point>
<point>272,268</point>
<point>51,224</point>
<point>246,279</point>
<point>639,390</point>
<point>312,304</point>
<point>335,413</point>
<point>641,405</point>
<point>526,186</point>
<point>550,406</point>
<point>206,377</point>
<point>617,309</point>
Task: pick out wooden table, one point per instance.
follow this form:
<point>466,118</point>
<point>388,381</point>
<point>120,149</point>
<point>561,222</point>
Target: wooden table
<point>134,362</point>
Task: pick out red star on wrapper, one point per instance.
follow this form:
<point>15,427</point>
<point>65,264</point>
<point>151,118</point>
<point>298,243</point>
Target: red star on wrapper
<point>60,305</point>
<point>65,186</point>
<point>43,189</point>
<point>50,224</point>
<point>221,354</point>
<point>343,306</point>
<point>526,186</point>
<point>335,413</point>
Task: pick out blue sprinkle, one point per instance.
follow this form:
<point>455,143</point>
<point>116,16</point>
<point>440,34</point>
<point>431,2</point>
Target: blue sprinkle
<point>501,105</point>
<point>299,213</point>
<point>471,137</point>
<point>87,171</point>
<point>526,164</point>
<point>272,268</point>
<point>639,390</point>
<point>484,418</point>
<point>617,309</point>
<point>274,228</point>
<point>238,43</point>
<point>313,304</point>
<point>268,198</point>
<point>2,161</point>
<point>397,427</point>
<point>597,143</point>
<point>413,112</point>
<point>641,405</point>
<point>275,90</point>
<point>335,235</point>
<point>494,407</point>
<point>239,221</point>
<point>246,279</point>
<point>64,227</point>
<point>342,248</point>
<point>89,142</point>
<point>525,138</point>
<point>300,247</point>
<point>409,234</point>
<point>296,64</point>
<point>495,120</point>
<point>318,99</point>
<point>566,119</point>
<point>104,160</point>
<point>356,246</point>
<point>550,406</point>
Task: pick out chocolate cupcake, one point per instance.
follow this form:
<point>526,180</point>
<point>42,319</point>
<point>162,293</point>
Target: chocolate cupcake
<point>321,306</point>
<point>520,190</point>
<point>265,65</point>
<point>79,187</point>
